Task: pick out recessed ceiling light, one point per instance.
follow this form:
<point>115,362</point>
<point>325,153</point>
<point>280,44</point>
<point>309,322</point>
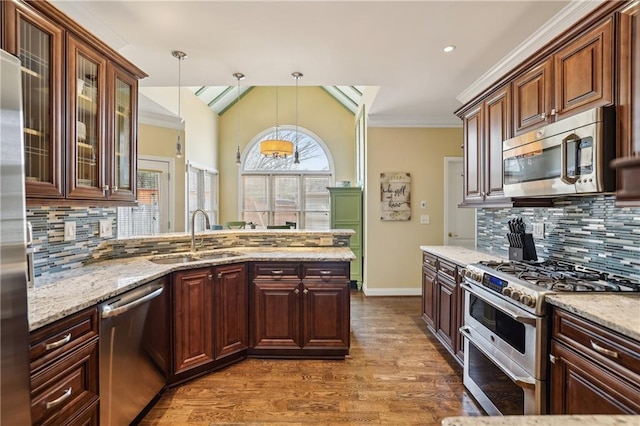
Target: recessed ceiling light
<point>449,49</point>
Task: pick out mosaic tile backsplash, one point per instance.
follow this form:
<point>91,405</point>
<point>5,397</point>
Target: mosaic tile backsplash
<point>589,231</point>
<point>53,254</point>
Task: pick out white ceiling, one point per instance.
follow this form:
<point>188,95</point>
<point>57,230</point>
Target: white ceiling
<point>391,44</point>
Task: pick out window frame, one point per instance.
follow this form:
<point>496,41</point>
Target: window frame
<point>204,172</point>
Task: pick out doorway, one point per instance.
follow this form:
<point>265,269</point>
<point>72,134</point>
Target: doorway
<point>459,222</point>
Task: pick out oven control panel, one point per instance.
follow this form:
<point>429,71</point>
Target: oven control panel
<point>511,290</point>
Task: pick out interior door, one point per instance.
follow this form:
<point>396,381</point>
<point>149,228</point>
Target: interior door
<point>459,223</point>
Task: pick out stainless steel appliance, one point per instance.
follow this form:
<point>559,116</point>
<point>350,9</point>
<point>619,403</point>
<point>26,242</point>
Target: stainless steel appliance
<point>14,328</point>
<point>568,157</point>
<point>505,328</point>
<point>129,377</point>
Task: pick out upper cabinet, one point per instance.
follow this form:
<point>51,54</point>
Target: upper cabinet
<point>485,127</point>
<point>577,77</point>
<point>80,109</point>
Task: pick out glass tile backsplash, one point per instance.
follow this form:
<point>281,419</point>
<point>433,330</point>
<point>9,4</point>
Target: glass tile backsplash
<point>589,231</point>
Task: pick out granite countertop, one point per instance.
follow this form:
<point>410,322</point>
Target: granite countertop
<point>460,255</point>
<point>58,295</point>
<point>555,420</point>
<point>616,311</point>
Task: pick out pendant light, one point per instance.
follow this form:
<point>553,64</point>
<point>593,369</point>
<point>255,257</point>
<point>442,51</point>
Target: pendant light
<point>276,147</point>
<point>181,56</point>
<point>239,76</point>
<point>296,156</point>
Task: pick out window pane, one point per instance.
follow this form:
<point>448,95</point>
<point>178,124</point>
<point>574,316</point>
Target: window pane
<point>316,193</point>
<point>145,218</point>
<point>260,219</point>
<point>255,193</point>
<point>311,154</point>
<point>316,220</point>
<point>280,218</point>
<point>286,193</point>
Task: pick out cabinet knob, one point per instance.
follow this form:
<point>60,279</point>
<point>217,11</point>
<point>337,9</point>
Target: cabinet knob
<point>210,276</point>
<point>114,189</point>
<point>105,189</point>
<point>219,275</point>
<point>296,291</point>
<point>305,291</point>
<point>543,115</point>
<point>553,112</point>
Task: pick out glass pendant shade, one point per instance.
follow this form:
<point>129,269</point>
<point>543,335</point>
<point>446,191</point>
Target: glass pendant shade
<point>276,148</point>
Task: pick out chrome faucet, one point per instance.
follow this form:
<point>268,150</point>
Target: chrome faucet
<point>193,227</point>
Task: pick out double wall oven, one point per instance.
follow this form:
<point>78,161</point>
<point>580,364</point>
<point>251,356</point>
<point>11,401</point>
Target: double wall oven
<point>505,329</point>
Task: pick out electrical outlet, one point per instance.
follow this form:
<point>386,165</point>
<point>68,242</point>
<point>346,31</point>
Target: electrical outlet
<point>326,241</point>
<point>424,219</point>
<point>106,230</point>
<point>538,230</point>
<point>423,204</point>
<point>69,231</point>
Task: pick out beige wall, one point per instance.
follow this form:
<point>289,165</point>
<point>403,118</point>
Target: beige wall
<point>317,112</point>
<point>161,142</point>
<point>392,254</point>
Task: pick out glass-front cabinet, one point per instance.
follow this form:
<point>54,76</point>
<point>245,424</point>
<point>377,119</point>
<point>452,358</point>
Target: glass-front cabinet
<point>38,44</point>
<point>80,100</point>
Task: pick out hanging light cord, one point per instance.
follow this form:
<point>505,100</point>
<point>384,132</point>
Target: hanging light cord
<point>277,138</point>
<point>296,155</point>
<point>180,55</point>
<point>239,76</point>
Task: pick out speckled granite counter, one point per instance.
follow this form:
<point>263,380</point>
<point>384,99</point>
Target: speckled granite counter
<point>58,295</point>
<point>618,311</point>
<point>590,420</point>
<point>459,255</point>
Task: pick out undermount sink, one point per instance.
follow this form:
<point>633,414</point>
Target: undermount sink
<point>195,257</point>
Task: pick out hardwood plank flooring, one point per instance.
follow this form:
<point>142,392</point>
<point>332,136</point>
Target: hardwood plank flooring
<point>397,373</point>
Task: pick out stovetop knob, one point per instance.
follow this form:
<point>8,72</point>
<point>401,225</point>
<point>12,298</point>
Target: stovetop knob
<point>528,300</point>
<point>515,295</point>
<point>507,291</point>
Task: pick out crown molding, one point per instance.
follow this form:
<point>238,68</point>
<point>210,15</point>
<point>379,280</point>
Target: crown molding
<point>562,21</point>
<point>388,120</point>
<point>159,120</point>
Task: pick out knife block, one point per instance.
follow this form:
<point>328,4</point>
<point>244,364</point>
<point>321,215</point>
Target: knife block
<point>528,252</point>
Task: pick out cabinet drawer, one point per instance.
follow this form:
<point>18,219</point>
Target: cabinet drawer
<point>326,271</point>
<point>65,387</point>
<point>58,338</point>
<point>614,350</point>
<point>447,268</point>
<point>429,260</point>
<point>275,270</point>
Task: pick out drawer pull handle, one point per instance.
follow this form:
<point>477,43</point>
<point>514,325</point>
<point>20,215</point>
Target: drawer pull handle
<point>277,272</point>
<point>325,272</point>
<point>66,339</point>
<point>59,400</point>
<point>596,347</point>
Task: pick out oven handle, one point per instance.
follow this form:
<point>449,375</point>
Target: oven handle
<point>520,318</point>
<point>522,382</point>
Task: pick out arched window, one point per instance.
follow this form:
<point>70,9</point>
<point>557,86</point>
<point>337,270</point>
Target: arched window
<point>275,191</point>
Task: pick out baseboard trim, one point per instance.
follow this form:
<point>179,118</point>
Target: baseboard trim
<point>391,291</point>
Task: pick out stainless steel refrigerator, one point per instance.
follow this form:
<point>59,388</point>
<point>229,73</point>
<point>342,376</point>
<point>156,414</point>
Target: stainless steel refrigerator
<point>15,407</point>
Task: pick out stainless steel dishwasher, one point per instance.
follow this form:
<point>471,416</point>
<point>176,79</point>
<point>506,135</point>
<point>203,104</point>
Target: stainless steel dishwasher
<point>130,376</point>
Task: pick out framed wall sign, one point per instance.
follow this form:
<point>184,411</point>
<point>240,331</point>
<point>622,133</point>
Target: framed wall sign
<point>395,196</point>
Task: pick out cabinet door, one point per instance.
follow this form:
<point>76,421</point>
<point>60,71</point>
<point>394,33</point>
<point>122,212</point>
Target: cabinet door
<point>497,129</point>
<point>628,111</point>
<point>428,299</point>
<point>583,72</point>
<point>38,44</point>
<point>193,319</point>
<point>473,128</point>
<point>578,386</point>
<point>276,314</point>
<point>532,98</point>
<point>326,314</point>
<point>445,326</point>
<point>86,89</point>
<point>459,294</point>
<point>122,134</point>
<point>230,310</point>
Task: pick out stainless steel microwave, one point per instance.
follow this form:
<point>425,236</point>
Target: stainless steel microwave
<point>568,157</point>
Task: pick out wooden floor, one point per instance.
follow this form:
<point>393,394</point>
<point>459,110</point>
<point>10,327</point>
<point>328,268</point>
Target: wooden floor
<point>397,373</point>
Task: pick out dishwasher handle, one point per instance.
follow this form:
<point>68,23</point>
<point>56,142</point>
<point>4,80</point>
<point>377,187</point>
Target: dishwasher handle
<point>108,311</point>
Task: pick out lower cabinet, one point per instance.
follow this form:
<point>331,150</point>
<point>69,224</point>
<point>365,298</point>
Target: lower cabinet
<point>64,371</point>
<point>442,297</point>
<point>593,370</point>
<point>209,319</point>
<point>300,310</point>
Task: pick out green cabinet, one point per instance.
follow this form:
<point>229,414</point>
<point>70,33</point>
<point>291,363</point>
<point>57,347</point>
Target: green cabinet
<point>346,213</point>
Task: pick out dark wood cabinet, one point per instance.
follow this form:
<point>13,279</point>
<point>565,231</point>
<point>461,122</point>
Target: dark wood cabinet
<point>192,321</point>
<point>64,371</point>
<point>230,302</point>
<point>593,370</point>
<point>486,126</point>
<point>441,302</point>
<point>80,108</point>
<point>300,309</point>
<point>577,77</point>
